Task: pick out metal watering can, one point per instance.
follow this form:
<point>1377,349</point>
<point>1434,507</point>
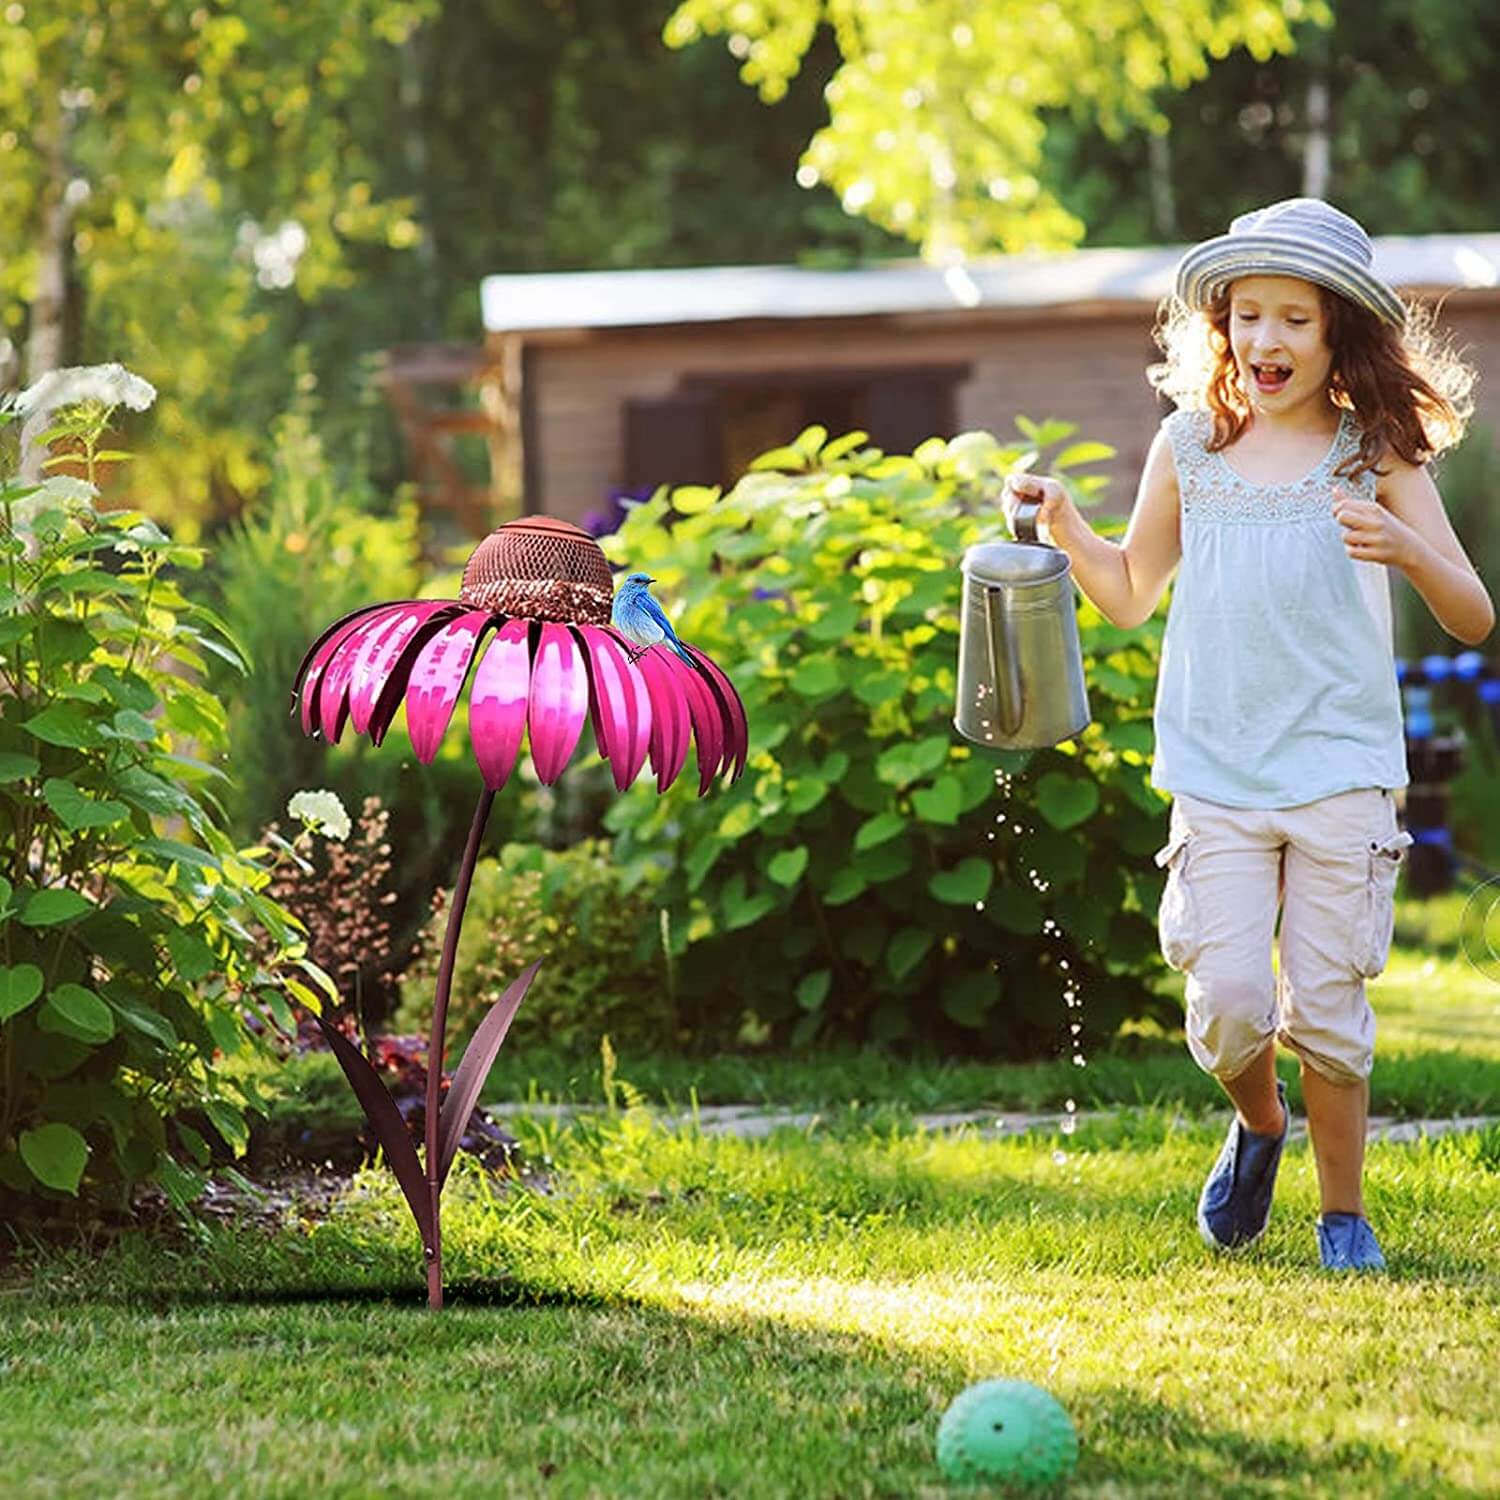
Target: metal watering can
<point>1020,666</point>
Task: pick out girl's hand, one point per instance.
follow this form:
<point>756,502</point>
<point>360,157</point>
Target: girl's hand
<point>1371,532</point>
<point>1057,520</point>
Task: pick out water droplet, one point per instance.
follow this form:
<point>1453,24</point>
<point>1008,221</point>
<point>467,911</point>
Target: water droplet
<point>1062,963</point>
<point>1060,1157</point>
<point>979,906</point>
<point>1076,1027</point>
<point>1078,1061</point>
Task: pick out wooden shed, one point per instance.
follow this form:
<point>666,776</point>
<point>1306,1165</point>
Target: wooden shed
<point>620,380</point>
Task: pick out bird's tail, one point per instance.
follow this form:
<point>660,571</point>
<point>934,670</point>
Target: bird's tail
<point>684,653</point>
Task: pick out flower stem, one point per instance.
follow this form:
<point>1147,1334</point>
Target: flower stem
<point>435,1044</point>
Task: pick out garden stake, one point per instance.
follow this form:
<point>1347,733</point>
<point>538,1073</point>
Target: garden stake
<point>543,588</point>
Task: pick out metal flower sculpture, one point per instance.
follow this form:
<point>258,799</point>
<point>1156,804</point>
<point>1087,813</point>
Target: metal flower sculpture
<point>533,611</point>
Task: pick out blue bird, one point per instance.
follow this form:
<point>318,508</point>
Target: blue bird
<point>639,618</point>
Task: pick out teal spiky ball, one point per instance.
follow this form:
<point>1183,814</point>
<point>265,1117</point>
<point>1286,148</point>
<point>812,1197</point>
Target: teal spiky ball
<point>1009,1430</point>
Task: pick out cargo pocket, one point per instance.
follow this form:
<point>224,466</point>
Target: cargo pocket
<point>1177,917</point>
<point>1373,941</point>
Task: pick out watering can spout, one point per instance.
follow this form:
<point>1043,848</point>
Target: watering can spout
<point>1020,665</point>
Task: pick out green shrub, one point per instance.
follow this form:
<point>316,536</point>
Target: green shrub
<point>864,879</point>
<point>605,971</point>
<point>137,937</point>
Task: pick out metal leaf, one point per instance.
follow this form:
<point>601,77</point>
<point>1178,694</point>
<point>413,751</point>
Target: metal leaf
<point>463,1092</point>
<point>385,1120</point>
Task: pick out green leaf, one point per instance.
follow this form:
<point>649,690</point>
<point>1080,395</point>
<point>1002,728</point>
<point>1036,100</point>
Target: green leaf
<point>786,868</point>
<point>939,803</point>
<point>969,998</point>
<point>130,725</point>
<point>197,1147</point>
<point>781,458</point>
<point>64,724</point>
<point>740,908</point>
<point>904,763</point>
<point>813,990</point>
<point>907,949</point>
<point>700,860</point>
<point>229,1122</point>
<point>1066,801</point>
<point>875,688</point>
<point>691,499</point>
<point>738,821</point>
<point>845,886</point>
<point>74,1011</point>
<point>145,1020</point>
<point>1082,453</point>
<point>878,829</point>
<point>56,1155</point>
<point>19,986</point>
<point>181,1184</point>
<point>836,622</point>
<point>77,809</point>
<point>804,794</point>
<point>968,882</point>
<point>817,677</point>
<point>14,767</point>
<point>48,908</point>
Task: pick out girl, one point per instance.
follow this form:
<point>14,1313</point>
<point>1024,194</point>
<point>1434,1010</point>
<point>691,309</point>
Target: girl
<point>1292,476</point>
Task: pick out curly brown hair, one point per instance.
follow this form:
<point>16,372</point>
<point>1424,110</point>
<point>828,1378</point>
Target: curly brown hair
<point>1409,390</point>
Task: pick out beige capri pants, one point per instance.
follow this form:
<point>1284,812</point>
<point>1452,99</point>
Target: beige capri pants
<point>1335,861</point>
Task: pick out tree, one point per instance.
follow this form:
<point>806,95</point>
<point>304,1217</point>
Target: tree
<point>163,164</point>
<point>1409,102</point>
<point>937,113</point>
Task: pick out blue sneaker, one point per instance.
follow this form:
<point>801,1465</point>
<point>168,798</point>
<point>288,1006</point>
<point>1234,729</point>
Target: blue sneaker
<point>1347,1243</point>
<point>1235,1205</point>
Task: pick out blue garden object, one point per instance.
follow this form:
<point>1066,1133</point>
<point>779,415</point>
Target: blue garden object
<point>1006,1430</point>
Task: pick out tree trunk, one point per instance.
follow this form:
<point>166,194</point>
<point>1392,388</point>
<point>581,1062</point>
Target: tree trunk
<point>47,337</point>
<point>1163,201</point>
<point>1316,150</point>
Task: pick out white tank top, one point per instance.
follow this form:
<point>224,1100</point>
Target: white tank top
<point>1278,679</point>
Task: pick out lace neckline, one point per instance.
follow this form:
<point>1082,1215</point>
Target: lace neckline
<point>1290,484</point>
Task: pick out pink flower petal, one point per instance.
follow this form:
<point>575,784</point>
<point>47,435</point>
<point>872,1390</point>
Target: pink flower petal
<point>670,724</point>
<point>620,703</point>
<point>497,702</point>
<point>437,678</point>
<point>333,685</point>
<point>708,720</point>
<point>559,701</point>
<point>393,692</point>
<point>737,730</point>
<point>309,674</point>
<point>380,651</point>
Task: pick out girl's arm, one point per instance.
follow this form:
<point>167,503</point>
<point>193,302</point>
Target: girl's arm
<point>1409,529</point>
<point>1124,580</point>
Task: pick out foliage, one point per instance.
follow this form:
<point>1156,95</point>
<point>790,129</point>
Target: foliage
<point>935,127</point>
<point>312,548</point>
<point>125,909</point>
<point>872,876</point>
<point>340,891</point>
<point>1409,90</point>
<point>603,970</point>
<point>203,159</point>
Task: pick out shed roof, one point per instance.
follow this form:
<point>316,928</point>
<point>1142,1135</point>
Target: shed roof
<point>711,294</point>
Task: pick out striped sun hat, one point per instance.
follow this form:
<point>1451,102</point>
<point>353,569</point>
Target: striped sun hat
<point>1302,237</point>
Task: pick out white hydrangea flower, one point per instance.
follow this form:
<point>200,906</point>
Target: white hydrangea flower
<point>111,385</point>
<point>322,811</point>
<point>73,497</point>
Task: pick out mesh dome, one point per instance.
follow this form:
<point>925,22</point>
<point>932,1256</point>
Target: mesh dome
<point>542,569</point>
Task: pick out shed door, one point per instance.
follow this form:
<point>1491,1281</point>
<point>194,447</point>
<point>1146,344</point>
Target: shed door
<point>673,440</point>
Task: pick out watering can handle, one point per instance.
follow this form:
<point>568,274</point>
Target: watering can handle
<point>1023,520</point>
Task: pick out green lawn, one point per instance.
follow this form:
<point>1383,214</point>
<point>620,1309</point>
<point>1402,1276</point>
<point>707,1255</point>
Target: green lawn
<point>673,1314</point>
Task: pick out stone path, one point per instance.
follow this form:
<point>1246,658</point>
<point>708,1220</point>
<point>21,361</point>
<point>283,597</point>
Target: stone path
<point>753,1121</point>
